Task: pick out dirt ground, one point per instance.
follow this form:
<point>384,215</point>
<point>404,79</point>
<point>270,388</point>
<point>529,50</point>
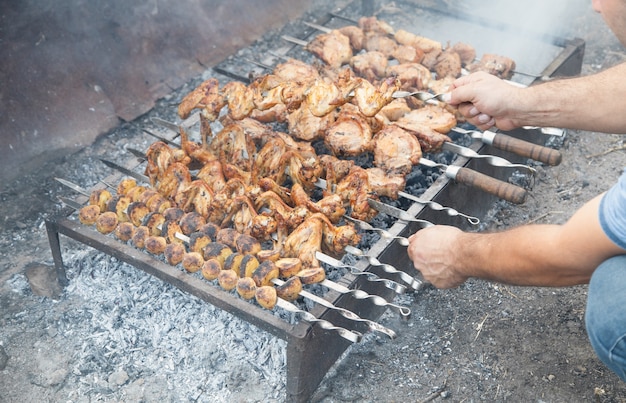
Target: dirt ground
<point>480,342</point>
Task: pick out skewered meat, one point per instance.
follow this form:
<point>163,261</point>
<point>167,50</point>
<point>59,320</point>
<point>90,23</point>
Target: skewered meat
<point>370,99</point>
<point>304,125</point>
<point>334,169</point>
<point>139,237</point>
<point>331,205</point>
<point>374,25</point>
<point>304,241</point>
<point>295,70</point>
<point>289,217</point>
<point>441,86</point>
<point>207,96</point>
<point>393,111</point>
<point>176,177</point>
<point>376,42</point>
<point>369,65</point>
<point>385,184</point>
<point>407,54</point>
<point>396,150</point>
<point>433,116</point>
<point>333,48</point>
<point>350,134</point>
<point>466,52</point>
<point>233,145</point>
<point>425,44</point>
<point>240,99</point>
<point>277,113</point>
<point>354,189</point>
<point>356,35</point>
<point>448,64</point>
<point>325,95</point>
<point>500,66</point>
<point>412,76</point>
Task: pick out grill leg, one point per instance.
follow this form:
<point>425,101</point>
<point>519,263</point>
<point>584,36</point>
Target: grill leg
<point>55,248</point>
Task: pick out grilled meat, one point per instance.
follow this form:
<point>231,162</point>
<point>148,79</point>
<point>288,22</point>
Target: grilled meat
<point>396,150</point>
<point>500,66</point>
<point>333,48</point>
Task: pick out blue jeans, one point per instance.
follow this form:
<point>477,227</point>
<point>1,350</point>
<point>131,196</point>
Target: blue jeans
<point>606,314</point>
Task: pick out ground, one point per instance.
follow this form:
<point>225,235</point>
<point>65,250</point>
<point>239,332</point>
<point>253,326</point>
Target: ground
<point>479,342</point>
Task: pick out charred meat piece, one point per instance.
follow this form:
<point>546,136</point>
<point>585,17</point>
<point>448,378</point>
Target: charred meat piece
<point>206,96</point>
<point>374,25</point>
<point>356,35</point>
<point>369,65</point>
<point>448,64</point>
<point>371,99</point>
<point>412,76</point>
<point>433,116</point>
<point>333,48</point>
<point>396,150</point>
<point>466,52</point>
<point>355,189</point>
<point>350,135</point>
<point>500,66</point>
<point>385,184</point>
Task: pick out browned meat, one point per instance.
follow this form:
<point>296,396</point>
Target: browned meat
<point>394,110</point>
<point>448,64</point>
<point>441,86</point>
<point>303,125</point>
<point>425,44</point>
<point>207,96</point>
<point>333,48</point>
<point>411,75</point>
<point>355,189</point>
<point>418,123</point>
<point>325,95</point>
<point>370,99</point>
<point>373,24</point>
<point>500,66</point>
<point>334,169</point>
<point>385,184</point>
<point>407,54</point>
<point>466,52</point>
<point>369,65</point>
<point>396,150</point>
<point>356,35</point>
<point>379,43</point>
<point>240,99</point>
<point>295,70</point>
<point>433,116</point>
<point>331,205</point>
<point>350,135</point>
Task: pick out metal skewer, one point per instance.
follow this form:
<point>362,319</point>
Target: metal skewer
<point>343,312</point>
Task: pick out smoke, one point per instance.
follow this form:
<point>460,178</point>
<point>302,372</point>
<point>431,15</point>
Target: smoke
<point>531,32</point>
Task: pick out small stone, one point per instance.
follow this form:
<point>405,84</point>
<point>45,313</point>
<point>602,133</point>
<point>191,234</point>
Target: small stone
<point>43,280</point>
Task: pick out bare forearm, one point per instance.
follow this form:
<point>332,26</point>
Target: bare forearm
<point>527,255</point>
<point>594,103</point>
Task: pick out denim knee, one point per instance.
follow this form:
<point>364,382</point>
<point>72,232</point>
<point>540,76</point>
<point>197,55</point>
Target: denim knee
<point>605,317</point>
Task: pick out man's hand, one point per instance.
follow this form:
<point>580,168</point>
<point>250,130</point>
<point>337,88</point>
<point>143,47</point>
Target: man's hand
<point>485,100</point>
<point>432,251</point>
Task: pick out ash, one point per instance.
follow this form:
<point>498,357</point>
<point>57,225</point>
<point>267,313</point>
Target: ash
<point>130,325</point>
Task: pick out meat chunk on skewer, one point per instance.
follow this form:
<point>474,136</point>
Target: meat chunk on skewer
<point>466,52</point>
<point>396,150</point>
<point>500,66</point>
<point>350,135</point>
<point>448,64</point>
<point>371,100</point>
<point>385,184</point>
<point>333,48</point>
<point>370,65</point>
